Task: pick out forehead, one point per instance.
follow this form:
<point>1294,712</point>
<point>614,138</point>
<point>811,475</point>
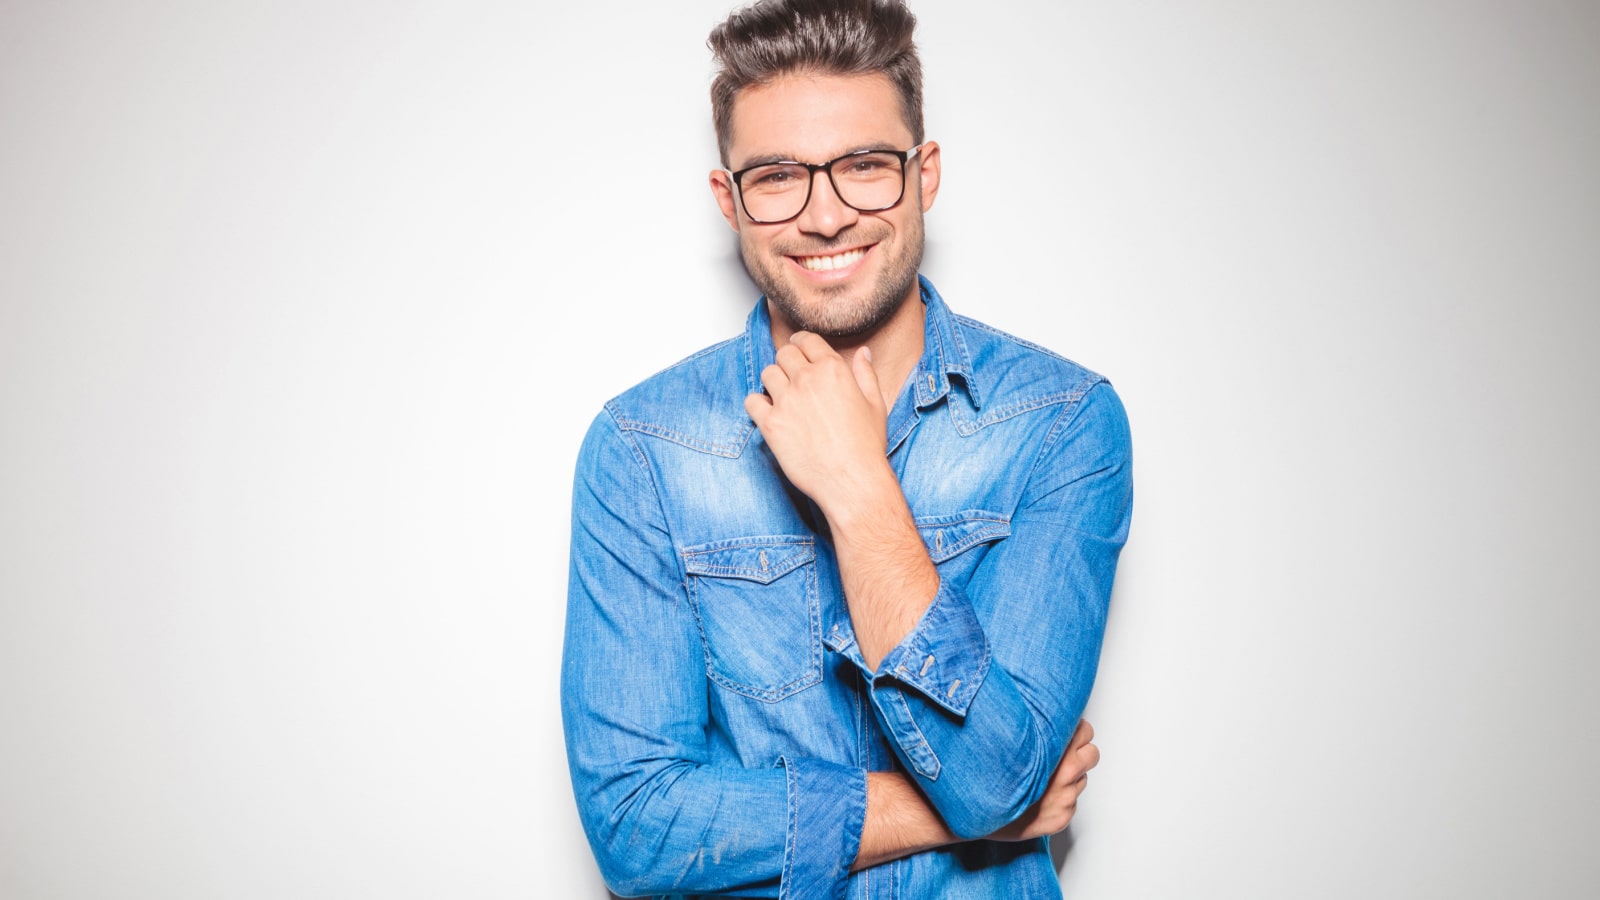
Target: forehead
<point>813,118</point>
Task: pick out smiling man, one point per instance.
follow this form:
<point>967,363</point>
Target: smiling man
<point>839,584</point>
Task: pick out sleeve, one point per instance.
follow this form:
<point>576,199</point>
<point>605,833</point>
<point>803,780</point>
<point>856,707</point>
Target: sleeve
<point>982,696</point>
<point>659,817</point>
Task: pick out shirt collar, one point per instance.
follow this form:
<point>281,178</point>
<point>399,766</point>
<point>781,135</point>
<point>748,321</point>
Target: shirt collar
<point>944,353</point>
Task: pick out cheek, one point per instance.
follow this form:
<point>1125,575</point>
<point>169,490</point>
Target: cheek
<point>757,253</point>
<point>763,240</point>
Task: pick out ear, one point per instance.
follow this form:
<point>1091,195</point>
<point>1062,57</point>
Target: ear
<point>722,189</point>
<point>928,172</point>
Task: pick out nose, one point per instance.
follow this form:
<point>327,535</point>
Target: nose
<point>825,214</point>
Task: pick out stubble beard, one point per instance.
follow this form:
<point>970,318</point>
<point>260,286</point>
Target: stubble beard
<point>836,314</point>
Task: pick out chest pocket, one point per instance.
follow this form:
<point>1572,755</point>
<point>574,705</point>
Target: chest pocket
<point>755,600</point>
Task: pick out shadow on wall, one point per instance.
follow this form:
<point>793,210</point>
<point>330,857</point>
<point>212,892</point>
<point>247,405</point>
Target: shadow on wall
<point>1060,849</point>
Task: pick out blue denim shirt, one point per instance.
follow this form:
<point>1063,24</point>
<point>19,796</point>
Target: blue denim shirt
<point>719,717</point>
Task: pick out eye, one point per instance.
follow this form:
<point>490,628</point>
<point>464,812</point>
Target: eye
<point>869,167</point>
<point>774,178</point>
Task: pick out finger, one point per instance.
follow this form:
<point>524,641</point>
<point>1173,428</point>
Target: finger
<point>1076,742</point>
<point>774,379</point>
<point>813,346</point>
<point>758,407</point>
<point>791,360</point>
<point>1090,756</point>
<point>866,377</point>
<point>1077,763</point>
<point>1084,734</point>
<point>1070,770</point>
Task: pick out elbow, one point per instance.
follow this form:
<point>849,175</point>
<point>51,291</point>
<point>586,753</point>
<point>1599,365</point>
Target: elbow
<point>628,852</point>
<point>971,821</point>
<point>629,868</point>
<point>635,829</point>
<point>626,876</point>
<point>995,793</point>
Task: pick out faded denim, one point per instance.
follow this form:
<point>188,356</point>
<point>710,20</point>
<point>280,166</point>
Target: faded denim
<point>719,717</point>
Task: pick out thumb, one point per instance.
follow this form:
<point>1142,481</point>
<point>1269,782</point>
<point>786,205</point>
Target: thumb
<point>866,377</point>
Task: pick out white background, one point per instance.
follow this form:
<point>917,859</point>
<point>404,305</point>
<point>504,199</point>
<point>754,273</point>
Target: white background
<point>304,308</point>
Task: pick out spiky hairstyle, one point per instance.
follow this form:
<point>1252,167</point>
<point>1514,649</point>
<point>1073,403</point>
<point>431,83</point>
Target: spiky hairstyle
<point>771,38</point>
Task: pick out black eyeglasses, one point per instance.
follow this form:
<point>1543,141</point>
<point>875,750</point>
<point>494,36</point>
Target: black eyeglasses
<point>866,181</point>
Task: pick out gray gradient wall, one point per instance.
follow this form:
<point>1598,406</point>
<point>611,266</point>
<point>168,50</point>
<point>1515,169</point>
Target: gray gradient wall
<point>304,308</point>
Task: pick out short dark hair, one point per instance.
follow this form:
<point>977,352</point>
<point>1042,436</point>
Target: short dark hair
<point>771,38</point>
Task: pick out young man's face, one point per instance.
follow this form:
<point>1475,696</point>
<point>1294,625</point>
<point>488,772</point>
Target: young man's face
<point>833,270</point>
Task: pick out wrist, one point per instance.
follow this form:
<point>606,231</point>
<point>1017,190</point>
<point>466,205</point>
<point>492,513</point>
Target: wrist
<point>899,822</point>
<point>864,500</point>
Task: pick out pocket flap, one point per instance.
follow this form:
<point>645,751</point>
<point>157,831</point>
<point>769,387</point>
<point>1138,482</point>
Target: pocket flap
<point>760,559</point>
<point>946,536</point>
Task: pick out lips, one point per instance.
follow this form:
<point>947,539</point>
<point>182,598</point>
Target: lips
<point>830,262</point>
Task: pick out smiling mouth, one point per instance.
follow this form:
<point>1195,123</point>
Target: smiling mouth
<point>831,262</point>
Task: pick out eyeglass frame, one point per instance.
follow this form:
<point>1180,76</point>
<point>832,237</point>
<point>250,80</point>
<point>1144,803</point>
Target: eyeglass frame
<point>811,181</point>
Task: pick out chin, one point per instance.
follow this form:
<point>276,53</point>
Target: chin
<point>838,317</point>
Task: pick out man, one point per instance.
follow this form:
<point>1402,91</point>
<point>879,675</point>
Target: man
<point>838,584</point>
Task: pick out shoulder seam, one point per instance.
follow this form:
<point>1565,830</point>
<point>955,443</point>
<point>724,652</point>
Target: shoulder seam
<point>1006,335</point>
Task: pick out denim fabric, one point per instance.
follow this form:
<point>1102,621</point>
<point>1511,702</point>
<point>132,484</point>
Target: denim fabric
<point>719,716</point>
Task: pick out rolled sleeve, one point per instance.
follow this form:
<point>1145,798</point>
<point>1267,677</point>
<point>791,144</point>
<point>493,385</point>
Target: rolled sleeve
<point>827,806</point>
<point>946,655</point>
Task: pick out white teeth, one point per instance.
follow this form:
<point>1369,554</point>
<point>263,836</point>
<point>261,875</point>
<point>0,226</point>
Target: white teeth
<point>829,263</point>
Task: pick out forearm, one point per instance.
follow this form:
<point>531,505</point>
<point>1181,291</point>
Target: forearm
<point>884,568</point>
<point>899,822</point>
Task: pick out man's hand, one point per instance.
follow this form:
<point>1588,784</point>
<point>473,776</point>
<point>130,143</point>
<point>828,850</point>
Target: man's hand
<point>1054,810</point>
<point>824,418</point>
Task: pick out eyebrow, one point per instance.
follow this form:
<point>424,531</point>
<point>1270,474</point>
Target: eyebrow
<point>770,158</point>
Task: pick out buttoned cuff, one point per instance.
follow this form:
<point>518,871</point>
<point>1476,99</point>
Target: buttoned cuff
<point>946,655</point>
<point>827,806</point>
<point>944,659</point>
